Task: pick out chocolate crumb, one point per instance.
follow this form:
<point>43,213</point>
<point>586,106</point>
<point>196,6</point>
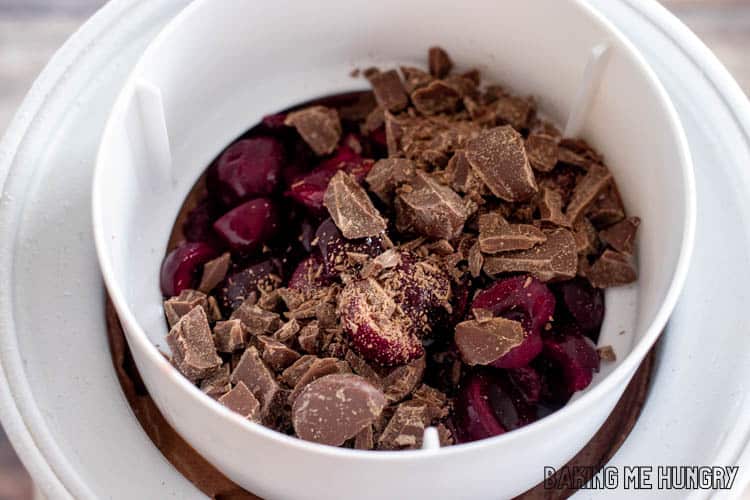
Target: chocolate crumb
<point>192,345</point>
<point>335,408</point>
<point>351,208</point>
<point>287,331</point>
<point>498,157</point>
<point>439,62</point>
<point>611,269</point>
<point>214,272</point>
<point>242,401</point>
<point>291,375</point>
<point>607,353</point>
<point>483,342</point>
<point>319,126</point>
<point>389,91</point>
<point>621,236</point>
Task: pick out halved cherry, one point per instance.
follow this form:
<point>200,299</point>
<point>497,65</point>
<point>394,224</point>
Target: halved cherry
<point>584,303</point>
<point>239,285</point>
<point>334,247</point>
<point>576,356</point>
<point>182,266</point>
<point>309,275</point>
<point>248,226</point>
<point>248,168</point>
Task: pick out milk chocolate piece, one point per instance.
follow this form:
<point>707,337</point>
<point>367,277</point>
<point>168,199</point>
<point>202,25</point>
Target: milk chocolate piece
<point>374,120</point>
<point>588,188</point>
<point>551,208</point>
<point>498,157</point>
<point>351,208</point>
<point>335,408</point>
<point>394,132</point>
<point>405,429</point>
<point>435,401</point>
<point>242,401</point>
<point>439,62</point>
<point>415,78</point>
<point>257,321</point>
<point>177,307</point>
<point>445,436</point>
<point>481,343</point>
<point>607,209</point>
<point>403,380</point>
<point>291,375</point>
<point>320,367</point>
<point>516,111</point>
<point>542,151</point>
<point>587,239</point>
<point>554,259</point>
<point>260,380</point>
<point>476,260</point>
<point>490,221</point>
<point>621,236</point>
<point>430,209</point>
<point>388,174</point>
<point>510,237</point>
<point>192,345</point>
<point>482,315</point>
<point>437,97</point>
<point>389,91</point>
<point>462,177</point>
<point>607,353</point>
<point>230,336</point>
<point>217,384</point>
<point>319,126</point>
<point>363,369</point>
<point>611,269</point>
<point>309,338</point>
<point>287,330</point>
<point>364,440</point>
<point>276,355</point>
<point>214,272</point>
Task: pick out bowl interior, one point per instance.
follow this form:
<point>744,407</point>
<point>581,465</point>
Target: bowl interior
<point>225,64</point>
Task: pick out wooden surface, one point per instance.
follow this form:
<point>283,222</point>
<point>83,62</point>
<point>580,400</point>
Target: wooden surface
<point>31,31</point>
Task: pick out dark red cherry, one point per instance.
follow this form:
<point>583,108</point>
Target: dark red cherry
<point>309,275</point>
<point>274,122</point>
<point>239,285</point>
<point>576,356</point>
<point>334,247</point>
<point>182,266</point>
<point>248,226</point>
<point>249,168</point>
<point>527,300</point>
<point>584,303</point>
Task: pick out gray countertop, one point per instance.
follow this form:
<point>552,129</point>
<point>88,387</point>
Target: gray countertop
<point>31,31</point>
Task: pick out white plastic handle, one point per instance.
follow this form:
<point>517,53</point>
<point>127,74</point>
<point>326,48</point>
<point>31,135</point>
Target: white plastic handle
<point>153,121</point>
<point>592,77</point>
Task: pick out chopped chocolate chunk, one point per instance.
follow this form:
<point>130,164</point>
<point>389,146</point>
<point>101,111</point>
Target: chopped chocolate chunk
<point>611,269</point>
<point>405,428</point>
<point>481,343</point>
<point>319,126</point>
<point>621,236</point>
<point>403,380</point>
<point>587,239</point>
<point>287,330</point>
<point>445,436</point>
<point>374,120</point>
<point>186,301</point>
<point>389,91</point>
<point>607,209</point>
<point>482,315</point>
<point>551,208</point>
<point>388,174</point>
<point>554,259</point>
<point>491,221</point>
<point>256,320</point>
<point>291,375</point>
<point>230,336</point>
<point>214,272</point>
<point>582,148</point>
<point>439,62</point>
<point>213,311</point>
<point>359,109</point>
<point>510,237</point>
<point>276,355</point>
<point>586,191</point>
<point>364,440</point>
<point>351,208</point>
<point>242,401</point>
<point>260,380</point>
<point>607,353</point>
<point>415,78</point>
<point>269,300</point>
<point>320,367</point>
<point>394,132</point>
<point>437,97</point>
<point>435,401</point>
<point>542,151</point>
<point>309,338</point>
<point>498,157</point>
<point>217,384</point>
<point>516,111</point>
<point>363,369</point>
<point>192,345</point>
<point>431,209</point>
<point>335,408</point>
<point>465,87</point>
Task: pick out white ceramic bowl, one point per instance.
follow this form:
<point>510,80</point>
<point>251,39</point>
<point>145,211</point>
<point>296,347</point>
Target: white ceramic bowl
<point>221,65</point>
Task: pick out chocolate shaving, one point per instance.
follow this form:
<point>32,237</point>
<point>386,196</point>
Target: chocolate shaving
<point>389,91</point>
<point>242,401</point>
<point>351,208</point>
<point>498,157</point>
<point>430,209</point>
<point>611,269</point>
<point>586,191</point>
<point>319,126</point>
<point>439,62</point>
<point>621,236</point>
<point>230,336</point>
<point>437,97</point>
<point>214,272</point>
<point>554,259</point>
<point>192,345</point>
<point>483,342</point>
<point>335,408</point>
<point>510,237</point>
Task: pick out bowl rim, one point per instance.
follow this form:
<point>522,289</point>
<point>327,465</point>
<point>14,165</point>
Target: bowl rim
<point>546,424</point>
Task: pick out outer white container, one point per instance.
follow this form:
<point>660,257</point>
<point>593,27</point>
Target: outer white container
<point>221,65</point>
